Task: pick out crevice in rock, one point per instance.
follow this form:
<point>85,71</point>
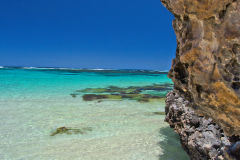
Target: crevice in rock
<point>236,48</point>
<point>181,73</point>
<point>236,85</point>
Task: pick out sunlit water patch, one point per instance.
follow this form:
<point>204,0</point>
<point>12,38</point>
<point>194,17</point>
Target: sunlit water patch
<point>41,119</point>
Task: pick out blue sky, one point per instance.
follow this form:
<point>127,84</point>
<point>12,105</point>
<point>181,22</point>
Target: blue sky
<point>126,34</point>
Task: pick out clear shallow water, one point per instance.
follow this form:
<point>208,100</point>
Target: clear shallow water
<point>33,103</point>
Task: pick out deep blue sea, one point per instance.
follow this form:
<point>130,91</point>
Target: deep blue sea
<point>35,102</point>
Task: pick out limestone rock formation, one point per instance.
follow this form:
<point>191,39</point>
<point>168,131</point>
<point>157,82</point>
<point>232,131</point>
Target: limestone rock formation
<point>200,137</point>
<point>207,64</point>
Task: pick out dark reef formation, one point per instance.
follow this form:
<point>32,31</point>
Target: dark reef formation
<point>137,93</point>
<point>206,73</point>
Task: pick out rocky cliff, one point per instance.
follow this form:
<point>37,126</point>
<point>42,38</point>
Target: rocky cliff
<point>206,70</point>
<point>201,137</point>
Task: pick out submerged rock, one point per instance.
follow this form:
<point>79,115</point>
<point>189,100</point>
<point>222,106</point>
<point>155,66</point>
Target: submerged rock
<point>73,95</point>
<point>131,93</point>
<point>91,97</point>
<point>129,90</point>
<point>65,130</point>
<point>136,97</point>
<point>93,90</point>
<point>159,113</point>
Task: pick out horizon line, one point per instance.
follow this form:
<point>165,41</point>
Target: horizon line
<point>76,68</point>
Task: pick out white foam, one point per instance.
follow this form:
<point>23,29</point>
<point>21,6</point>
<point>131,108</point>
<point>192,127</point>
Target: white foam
<point>29,67</point>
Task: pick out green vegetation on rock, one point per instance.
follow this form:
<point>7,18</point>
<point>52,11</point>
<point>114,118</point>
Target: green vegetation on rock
<point>138,93</point>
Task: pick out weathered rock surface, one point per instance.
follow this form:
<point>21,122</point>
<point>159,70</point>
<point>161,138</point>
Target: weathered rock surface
<point>205,106</point>
<point>207,64</point>
<point>200,137</point>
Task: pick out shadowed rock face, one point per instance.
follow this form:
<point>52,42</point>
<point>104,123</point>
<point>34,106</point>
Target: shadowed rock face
<point>207,64</point>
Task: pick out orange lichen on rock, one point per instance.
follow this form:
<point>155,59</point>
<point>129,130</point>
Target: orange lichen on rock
<point>224,95</point>
<point>207,64</point>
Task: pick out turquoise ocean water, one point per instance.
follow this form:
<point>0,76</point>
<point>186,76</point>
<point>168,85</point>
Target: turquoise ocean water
<point>34,102</point>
